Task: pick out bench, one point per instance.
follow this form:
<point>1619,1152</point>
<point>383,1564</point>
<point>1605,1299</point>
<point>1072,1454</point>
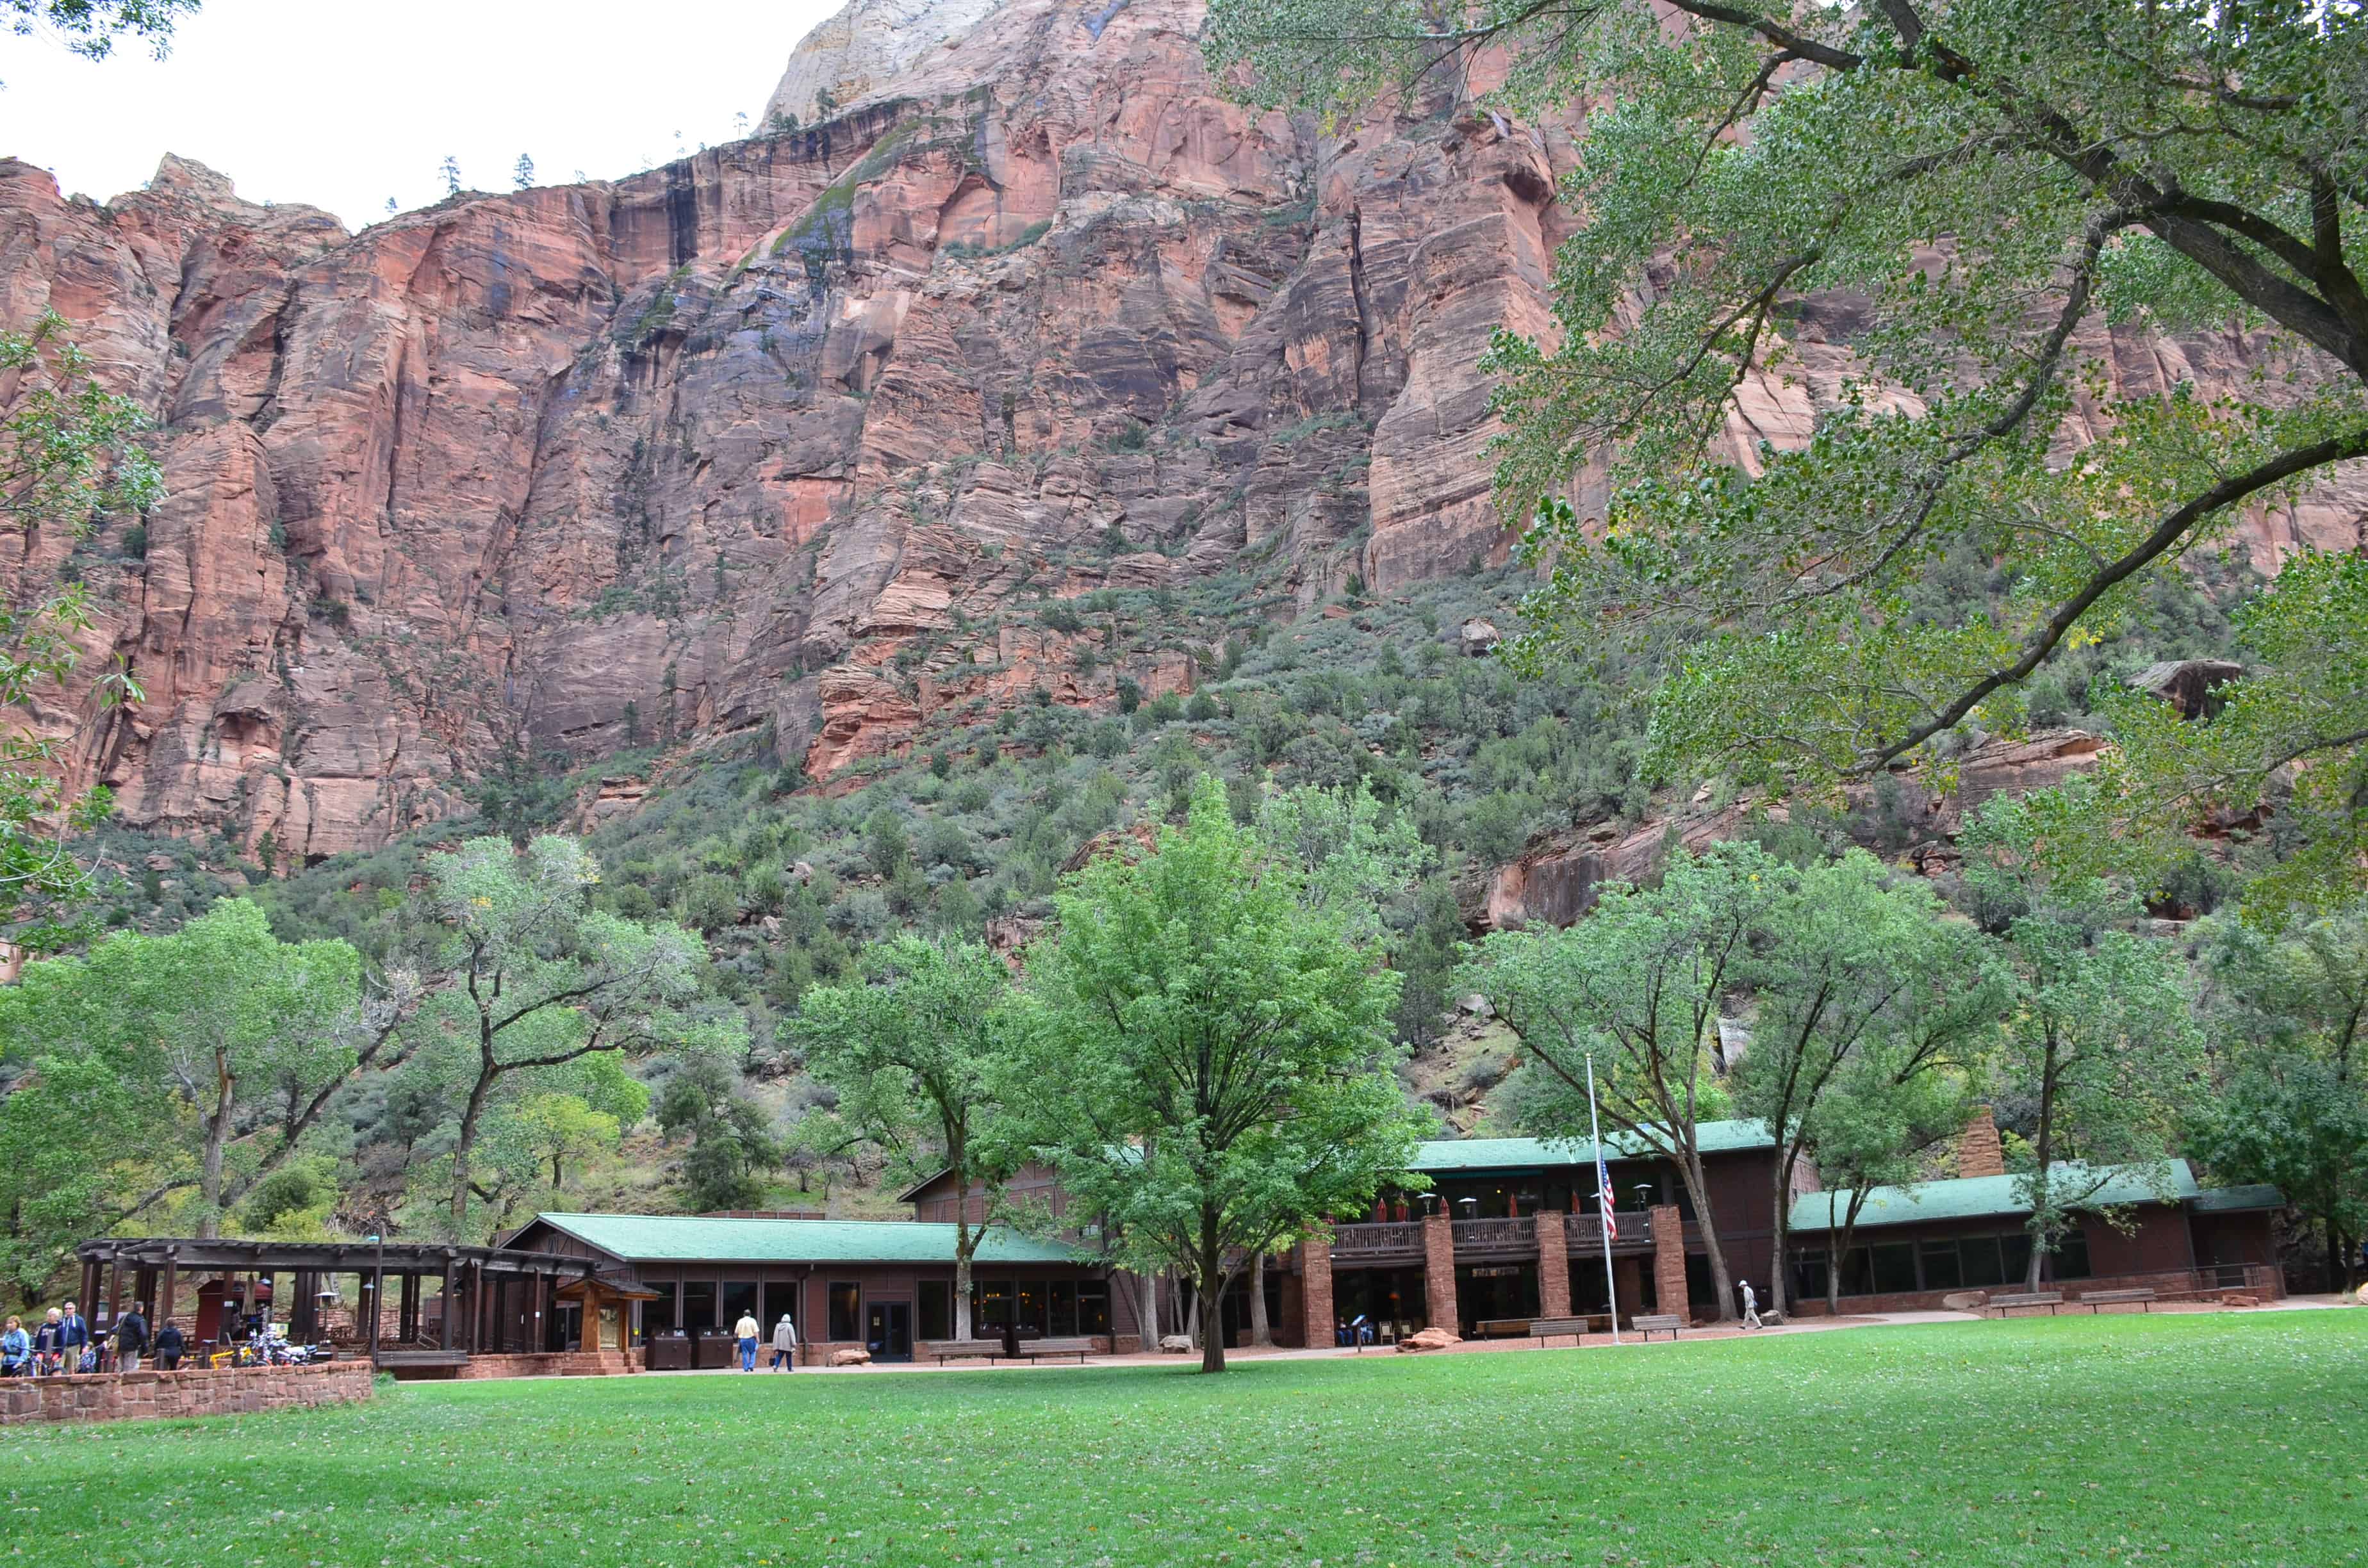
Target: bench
<point>1502,1328</point>
<point>1662,1322</point>
<point>2093,1300</point>
<point>2051,1299</point>
<point>1036,1349</point>
<point>1542,1329</point>
<point>951,1349</point>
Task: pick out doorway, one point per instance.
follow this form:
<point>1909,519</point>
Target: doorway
<point>888,1331</point>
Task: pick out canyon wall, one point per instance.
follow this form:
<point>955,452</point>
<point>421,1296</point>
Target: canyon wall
<point>758,440</point>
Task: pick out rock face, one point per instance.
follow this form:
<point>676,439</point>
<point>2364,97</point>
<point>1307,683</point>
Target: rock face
<point>756,442</point>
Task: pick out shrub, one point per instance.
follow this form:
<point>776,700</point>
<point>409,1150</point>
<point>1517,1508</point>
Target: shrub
<point>709,902</point>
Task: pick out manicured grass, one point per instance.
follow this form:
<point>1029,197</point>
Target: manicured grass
<point>2222,1440</point>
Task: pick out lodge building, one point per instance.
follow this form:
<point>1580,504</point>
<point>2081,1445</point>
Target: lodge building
<point>1510,1229</point>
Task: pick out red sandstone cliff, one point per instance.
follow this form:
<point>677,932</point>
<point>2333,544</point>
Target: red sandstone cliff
<point>720,439</point>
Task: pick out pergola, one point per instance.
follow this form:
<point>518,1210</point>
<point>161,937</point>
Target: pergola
<point>496,1300</point>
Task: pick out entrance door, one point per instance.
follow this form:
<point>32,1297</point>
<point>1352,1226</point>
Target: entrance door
<point>888,1331</point>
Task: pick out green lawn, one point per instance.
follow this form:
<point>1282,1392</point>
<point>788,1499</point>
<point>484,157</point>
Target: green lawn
<point>2221,1440</point>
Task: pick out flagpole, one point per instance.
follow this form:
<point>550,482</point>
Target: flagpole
<point>1602,1197</point>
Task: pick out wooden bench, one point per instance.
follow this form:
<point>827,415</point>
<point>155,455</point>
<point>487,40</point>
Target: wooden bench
<point>1037,1349</point>
<point>2051,1299</point>
<point>953,1349</point>
<point>2093,1300</point>
<point>1543,1329</point>
<point>1502,1328</point>
<point>1662,1322</point>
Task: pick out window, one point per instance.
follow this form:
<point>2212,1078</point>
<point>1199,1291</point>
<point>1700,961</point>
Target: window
<point>657,1317</point>
<point>846,1310</point>
<point>990,1303</point>
<point>781,1301</point>
<point>1894,1266</point>
<point>1979,1261</point>
<point>2071,1259</point>
<point>698,1304</point>
<point>1093,1305</point>
<point>2015,1254</point>
<point>1063,1296</point>
<point>933,1309</point>
<point>1940,1268</point>
<point>1809,1275</point>
<point>1031,1306</point>
<point>739,1296</point>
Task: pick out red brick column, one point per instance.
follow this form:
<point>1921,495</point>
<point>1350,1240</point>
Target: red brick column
<point>1439,1272</point>
<point>1554,1266</point>
<point>1316,1293</point>
<point>1670,1260</point>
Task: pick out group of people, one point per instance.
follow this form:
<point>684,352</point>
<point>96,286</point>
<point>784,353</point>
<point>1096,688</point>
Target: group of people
<point>64,1342</point>
<point>785,1342</point>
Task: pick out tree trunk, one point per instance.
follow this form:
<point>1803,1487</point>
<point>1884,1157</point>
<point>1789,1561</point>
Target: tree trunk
<point>2044,1151</point>
<point>210,1179</point>
<point>461,1150</point>
<point>966,1242</point>
<point>1261,1331</point>
<point>1721,1284</point>
<point>1778,1292</point>
<point>1146,1294</point>
<point>1211,1300</point>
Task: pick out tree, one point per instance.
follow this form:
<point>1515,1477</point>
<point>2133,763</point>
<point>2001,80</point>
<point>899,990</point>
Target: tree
<point>67,455</point>
<point>2100,1043</point>
<point>532,976</point>
<point>917,1047</point>
<point>449,171</point>
<point>2286,1017</point>
<point>1210,1066</point>
<point>93,28</point>
<point>1891,1105</point>
<point>1350,856</point>
<point>731,1139</point>
<point>522,173</point>
<point>1638,985</point>
<point>1981,179</point>
<point>1855,959</point>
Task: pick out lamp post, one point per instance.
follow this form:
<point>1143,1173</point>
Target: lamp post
<point>377,1294</point>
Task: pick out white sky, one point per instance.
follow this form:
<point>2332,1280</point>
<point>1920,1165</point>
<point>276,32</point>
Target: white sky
<point>342,105</point>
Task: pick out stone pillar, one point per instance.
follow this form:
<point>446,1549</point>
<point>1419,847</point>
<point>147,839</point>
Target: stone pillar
<point>1439,1272</point>
<point>1978,1153</point>
<point>1670,1260</point>
<point>1315,1324</point>
<point>1554,1265</point>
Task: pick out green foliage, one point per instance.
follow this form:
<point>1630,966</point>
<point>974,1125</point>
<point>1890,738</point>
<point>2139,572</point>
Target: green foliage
<point>1211,1069</point>
<point>732,1140</point>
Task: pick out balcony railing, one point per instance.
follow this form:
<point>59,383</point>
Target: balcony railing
<point>1395,1241</point>
<point>1497,1238</point>
<point>1585,1231</point>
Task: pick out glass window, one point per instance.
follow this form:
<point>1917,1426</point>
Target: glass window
<point>781,1301</point>
<point>990,1303</point>
<point>934,1308</point>
<point>2072,1255</point>
<point>739,1296</point>
<point>1979,1262</point>
<point>698,1304</point>
<point>2015,1254</point>
<point>1894,1266</point>
<point>845,1310</point>
<point>657,1317</point>
<point>1941,1267</point>
<point>1808,1275</point>
<point>1093,1306</point>
<point>1063,1294</point>
<point>1031,1306</point>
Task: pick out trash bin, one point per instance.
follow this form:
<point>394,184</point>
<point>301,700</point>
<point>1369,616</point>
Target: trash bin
<point>717,1348</point>
<point>669,1352</point>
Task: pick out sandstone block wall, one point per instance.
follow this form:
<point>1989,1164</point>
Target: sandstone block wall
<point>1439,1271</point>
<point>1669,1261</point>
<point>227,1391</point>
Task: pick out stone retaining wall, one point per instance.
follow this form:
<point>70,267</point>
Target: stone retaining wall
<point>552,1364</point>
<point>223,1391</point>
<point>2262,1282</point>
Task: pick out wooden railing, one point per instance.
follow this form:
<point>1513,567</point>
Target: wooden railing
<point>1497,1238</point>
<point>1397,1239</point>
<point>1584,1233</point>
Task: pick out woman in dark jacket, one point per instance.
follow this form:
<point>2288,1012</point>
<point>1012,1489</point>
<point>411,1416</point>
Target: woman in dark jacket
<point>169,1346</point>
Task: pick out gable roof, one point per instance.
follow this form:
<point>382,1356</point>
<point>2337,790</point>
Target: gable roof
<point>682,1238</point>
<point>2229,1199</point>
<point>1976,1197</point>
<point>1457,1154</point>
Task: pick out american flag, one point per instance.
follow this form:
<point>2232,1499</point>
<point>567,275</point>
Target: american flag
<point>1603,1197</point>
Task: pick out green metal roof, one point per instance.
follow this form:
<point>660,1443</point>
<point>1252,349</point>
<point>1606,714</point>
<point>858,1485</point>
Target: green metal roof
<point>1974,1197</point>
<point>672,1238</point>
<point>1451,1155</point>
<point>2224,1200</point>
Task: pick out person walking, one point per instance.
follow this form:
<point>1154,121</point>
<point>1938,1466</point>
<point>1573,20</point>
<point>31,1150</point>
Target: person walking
<point>73,1338</point>
<point>45,1345</point>
<point>169,1346</point>
<point>15,1350</point>
<point>746,1331</point>
<point>1750,1306</point>
<point>130,1339</point>
<point>785,1345</point>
